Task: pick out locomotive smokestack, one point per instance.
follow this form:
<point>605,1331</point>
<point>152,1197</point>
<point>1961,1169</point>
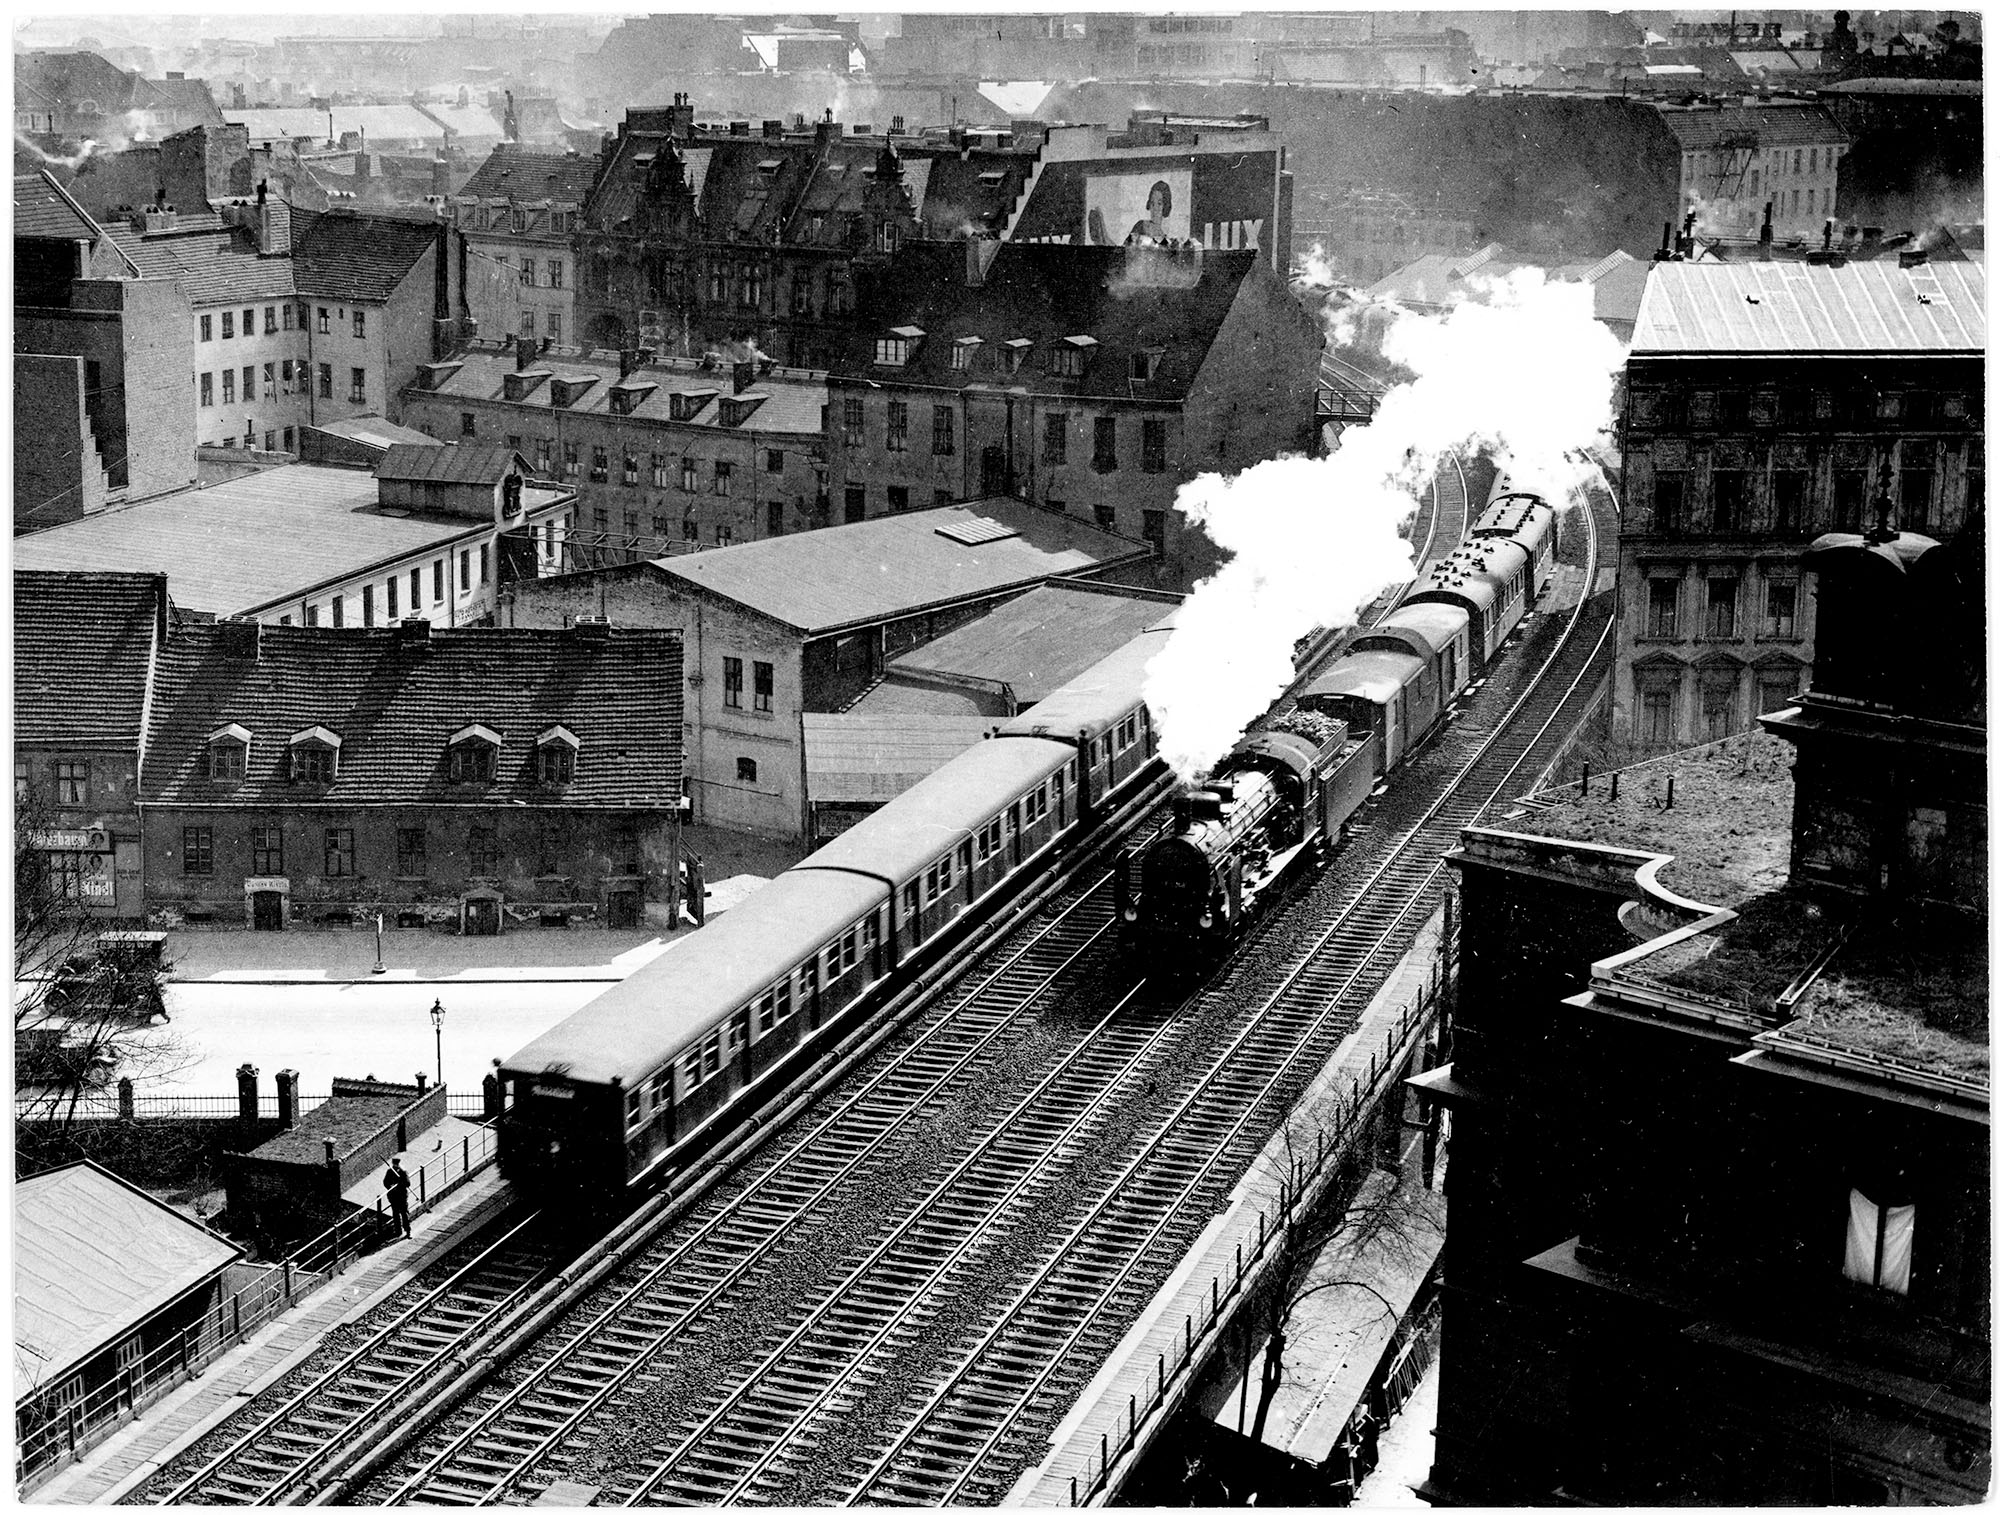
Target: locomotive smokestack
<point>1183,810</point>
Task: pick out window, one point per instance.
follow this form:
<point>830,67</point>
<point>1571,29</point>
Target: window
<point>1055,437</point>
<point>486,561</point>
<point>746,770</point>
<point>1732,492</point>
<point>1781,600</point>
<point>1153,526</point>
<point>367,604</point>
<point>208,389</point>
<point>897,438</point>
<point>630,471</point>
<point>228,386</point>
<point>1107,517</point>
<point>943,441</point>
<point>357,385</point>
<point>854,502</point>
<point>1656,717</point>
<point>228,324</point>
<point>483,849</point>
<point>465,570</point>
<point>1915,487</point>
<point>724,472</point>
<point>774,518</point>
<point>732,683</point>
<point>853,423</point>
<point>690,476</point>
<point>197,849</point>
<point>285,370</point>
<point>340,610</point>
<point>1669,501</point>
<point>1850,499</point>
<point>288,317</point>
<point>416,590</point>
<point>270,385</point>
<point>555,273</point>
<point>761,689</point>
<point>690,529</point>
<point>312,614</point>
<point>1104,445</point>
<point>1663,607</point>
<point>73,783</point>
<point>899,496</point>
<point>249,381</point>
<point>225,762</point>
<point>892,352</point>
<point>361,323</point>
<point>657,469</point>
<point>270,319</point>
<point>1153,445</point>
<point>1718,709</point>
<point>468,424</point>
<point>964,351</point>
<point>389,585</point>
<point>558,763</point>
<point>412,860</point>
<point>250,323</point>
<point>555,329</point>
<point>471,761</point>
<point>1066,362</point>
<point>1721,619</point>
<point>21,783</point>
<point>600,465</point>
<point>1776,689</point>
<point>326,381</point>
<point>1732,410</point>
<point>527,323</point>
<point>267,850</point>
<point>339,852</point>
<point>325,323</point>
<point>1788,500</point>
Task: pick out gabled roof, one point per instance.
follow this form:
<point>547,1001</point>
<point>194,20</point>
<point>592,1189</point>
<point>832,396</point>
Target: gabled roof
<point>1872,307</point>
<point>83,655</point>
<point>868,571</point>
<point>447,462</point>
<point>93,1258</point>
<point>514,172</point>
<point>1129,299</point>
<point>1702,128</point>
<point>42,208</point>
<point>396,701</point>
<point>361,258</point>
<point>210,266</point>
<point>1039,641</point>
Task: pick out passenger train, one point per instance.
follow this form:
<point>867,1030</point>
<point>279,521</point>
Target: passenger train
<point>606,1101</point>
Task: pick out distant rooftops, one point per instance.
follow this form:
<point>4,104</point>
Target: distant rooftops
<point>1774,308</point>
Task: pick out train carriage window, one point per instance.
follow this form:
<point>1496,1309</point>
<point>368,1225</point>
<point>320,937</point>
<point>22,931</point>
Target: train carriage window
<point>633,1109</point>
<point>1057,783</point>
<point>808,980</point>
<point>765,1015</point>
<point>831,958</point>
<point>711,1054</point>
<point>783,993</point>
<point>983,849</point>
<point>944,874</point>
<point>910,897</point>
<point>871,933</point>
<point>965,857</point>
<point>691,1069</point>
<point>732,1038</point>
<point>847,955</point>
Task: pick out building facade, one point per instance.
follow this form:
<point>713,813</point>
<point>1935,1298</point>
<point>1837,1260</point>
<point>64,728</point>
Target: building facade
<point>466,780</point>
<point>1091,380</point>
<point>516,214</point>
<point>1737,160</point>
<point>1766,403</point>
<point>665,455</point>
<point>84,649</point>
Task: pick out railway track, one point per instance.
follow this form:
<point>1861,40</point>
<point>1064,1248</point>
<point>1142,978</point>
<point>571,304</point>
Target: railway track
<point>265,1461</point>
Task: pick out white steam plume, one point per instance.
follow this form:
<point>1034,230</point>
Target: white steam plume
<point>1525,374</point>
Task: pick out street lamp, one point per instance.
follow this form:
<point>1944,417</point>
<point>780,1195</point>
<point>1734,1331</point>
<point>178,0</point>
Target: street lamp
<point>437,1026</point>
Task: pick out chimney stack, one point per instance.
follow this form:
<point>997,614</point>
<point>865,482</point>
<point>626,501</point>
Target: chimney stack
<point>979,255</point>
<point>743,375</point>
<point>628,359</point>
<point>236,636</point>
<point>1915,257</point>
<point>413,629</point>
<point>524,352</point>
<point>1764,235</point>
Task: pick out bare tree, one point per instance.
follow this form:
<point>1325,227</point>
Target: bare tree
<point>79,1010</point>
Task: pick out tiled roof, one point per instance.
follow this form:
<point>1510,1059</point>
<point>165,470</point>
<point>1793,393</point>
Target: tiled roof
<point>793,397</point>
<point>360,257</point>
<point>211,267</point>
<point>41,209</point>
<point>310,525</point>
<point>867,571</point>
<point>1128,299</point>
<point>870,759</point>
<point>1873,307</point>
<point>394,701</point>
<point>93,1257</point>
<point>445,462</point>
<point>1039,641</point>
<point>1702,130</point>
<point>513,172</point>
<point>83,652</point>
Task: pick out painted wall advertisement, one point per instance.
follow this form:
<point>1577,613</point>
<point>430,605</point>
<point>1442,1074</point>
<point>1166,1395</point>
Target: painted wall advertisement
<point>1214,199</point>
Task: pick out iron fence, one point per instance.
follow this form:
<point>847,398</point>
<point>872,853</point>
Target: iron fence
<point>108,1104</point>
<point>57,1424</point>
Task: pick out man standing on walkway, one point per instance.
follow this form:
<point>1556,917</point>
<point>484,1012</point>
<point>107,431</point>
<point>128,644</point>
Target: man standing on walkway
<point>397,1183</point>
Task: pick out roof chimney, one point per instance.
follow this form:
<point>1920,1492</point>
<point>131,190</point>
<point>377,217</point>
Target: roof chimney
<point>628,359</point>
<point>743,375</point>
<point>592,628</point>
<point>413,629</point>
<point>524,352</point>
<point>236,636</point>
<point>979,255</point>
<point>1764,235</point>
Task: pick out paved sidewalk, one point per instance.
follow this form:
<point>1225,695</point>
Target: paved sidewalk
<point>410,956</point>
<point>116,1468</point>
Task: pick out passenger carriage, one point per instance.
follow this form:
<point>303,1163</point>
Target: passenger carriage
<point>1528,521</point>
<point>1372,693</point>
<point>1488,580</point>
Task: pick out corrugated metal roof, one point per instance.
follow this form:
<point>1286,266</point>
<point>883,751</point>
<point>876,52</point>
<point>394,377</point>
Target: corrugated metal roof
<point>855,759</point>
<point>93,1257</point>
<point>906,695</point>
<point>434,462</point>
<point>867,571</point>
<point>1040,641</point>
<point>1808,308</point>
<point>310,525</point>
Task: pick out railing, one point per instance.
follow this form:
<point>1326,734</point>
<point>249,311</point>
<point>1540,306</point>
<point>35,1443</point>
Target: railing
<point>106,1104</point>
<point>1203,1326</point>
<point>53,1430</point>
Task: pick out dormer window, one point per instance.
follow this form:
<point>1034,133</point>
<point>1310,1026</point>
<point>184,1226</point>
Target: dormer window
<point>734,412</point>
<point>1146,363</point>
<point>893,351</point>
<point>686,404</point>
<point>628,394</point>
<point>1017,350</point>
<point>1069,357</point>
<point>228,754</point>
<point>555,755</point>
<point>314,756</point>
<point>472,755</point>
<point>964,352</point>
